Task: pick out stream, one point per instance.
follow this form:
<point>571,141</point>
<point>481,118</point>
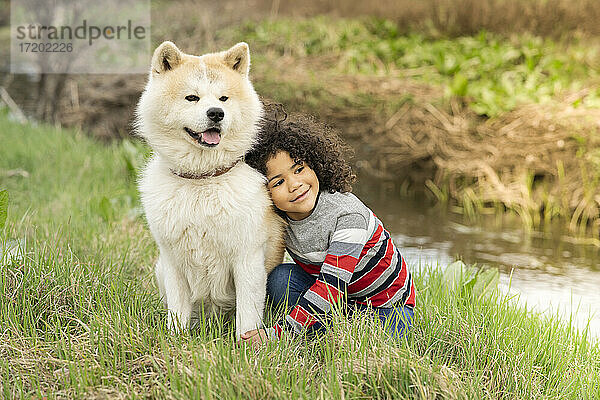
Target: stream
<point>548,271</point>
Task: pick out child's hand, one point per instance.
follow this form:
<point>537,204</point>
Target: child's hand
<point>255,337</point>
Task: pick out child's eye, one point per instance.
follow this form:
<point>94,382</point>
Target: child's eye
<point>279,182</point>
<point>299,169</point>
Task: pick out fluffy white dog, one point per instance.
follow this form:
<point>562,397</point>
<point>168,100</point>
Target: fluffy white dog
<point>208,211</point>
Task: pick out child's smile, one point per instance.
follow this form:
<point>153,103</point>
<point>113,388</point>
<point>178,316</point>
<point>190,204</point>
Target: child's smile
<point>294,186</point>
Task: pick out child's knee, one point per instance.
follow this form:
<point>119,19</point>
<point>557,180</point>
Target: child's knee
<point>278,283</point>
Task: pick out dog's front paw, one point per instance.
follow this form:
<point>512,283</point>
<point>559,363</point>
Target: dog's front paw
<point>177,323</point>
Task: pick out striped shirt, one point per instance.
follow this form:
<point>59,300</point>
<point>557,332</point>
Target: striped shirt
<point>345,246</point>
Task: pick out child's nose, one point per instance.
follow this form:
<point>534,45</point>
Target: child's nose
<point>294,184</point>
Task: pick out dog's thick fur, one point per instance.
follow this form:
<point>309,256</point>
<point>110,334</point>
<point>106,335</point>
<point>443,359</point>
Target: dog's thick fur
<point>218,236</point>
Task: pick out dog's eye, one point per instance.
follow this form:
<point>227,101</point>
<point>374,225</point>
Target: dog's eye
<point>192,97</point>
<point>223,98</point>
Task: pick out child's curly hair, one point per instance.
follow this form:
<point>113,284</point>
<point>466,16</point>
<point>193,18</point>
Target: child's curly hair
<point>305,140</point>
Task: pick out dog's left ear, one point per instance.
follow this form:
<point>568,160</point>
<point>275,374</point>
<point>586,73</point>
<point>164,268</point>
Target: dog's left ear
<point>238,58</point>
<point>166,57</point>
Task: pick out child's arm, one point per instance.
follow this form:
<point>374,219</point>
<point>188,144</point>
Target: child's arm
<point>345,247</point>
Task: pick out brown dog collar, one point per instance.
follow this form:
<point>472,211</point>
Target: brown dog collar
<point>211,174</point>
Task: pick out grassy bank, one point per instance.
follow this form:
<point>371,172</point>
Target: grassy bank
<point>493,73</point>
<point>81,317</point>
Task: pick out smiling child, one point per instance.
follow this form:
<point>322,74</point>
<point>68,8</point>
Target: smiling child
<point>341,250</point>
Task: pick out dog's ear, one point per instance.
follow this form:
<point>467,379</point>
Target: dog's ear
<point>166,57</point>
<point>238,58</point>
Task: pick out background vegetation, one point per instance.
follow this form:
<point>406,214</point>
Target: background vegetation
<point>486,106</point>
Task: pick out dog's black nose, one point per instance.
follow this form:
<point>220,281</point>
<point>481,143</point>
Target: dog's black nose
<point>215,114</point>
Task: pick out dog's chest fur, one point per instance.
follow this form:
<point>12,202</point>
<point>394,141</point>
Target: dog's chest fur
<point>206,225</point>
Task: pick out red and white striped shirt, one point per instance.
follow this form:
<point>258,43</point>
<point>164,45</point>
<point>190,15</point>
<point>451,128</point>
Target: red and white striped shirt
<point>345,246</point>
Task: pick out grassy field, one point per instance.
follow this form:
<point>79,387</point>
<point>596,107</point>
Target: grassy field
<point>80,315</point>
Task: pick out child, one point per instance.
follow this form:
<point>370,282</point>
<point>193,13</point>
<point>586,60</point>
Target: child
<point>340,249</point>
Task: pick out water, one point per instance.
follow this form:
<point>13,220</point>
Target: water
<point>546,271</point>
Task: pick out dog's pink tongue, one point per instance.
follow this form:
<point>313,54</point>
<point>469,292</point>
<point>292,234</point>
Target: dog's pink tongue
<point>211,137</point>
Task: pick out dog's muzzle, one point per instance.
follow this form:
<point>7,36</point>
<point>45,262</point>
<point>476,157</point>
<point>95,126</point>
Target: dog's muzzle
<point>209,138</point>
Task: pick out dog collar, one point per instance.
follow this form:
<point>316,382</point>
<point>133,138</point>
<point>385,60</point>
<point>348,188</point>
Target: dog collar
<point>211,174</point>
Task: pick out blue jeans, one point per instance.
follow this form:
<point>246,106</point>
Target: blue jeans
<point>288,282</point>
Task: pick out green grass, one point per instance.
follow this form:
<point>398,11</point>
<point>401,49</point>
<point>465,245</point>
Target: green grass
<point>491,73</point>
<point>68,188</point>
<point>81,317</point>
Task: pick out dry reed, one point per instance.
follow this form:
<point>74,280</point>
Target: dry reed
<point>536,160</point>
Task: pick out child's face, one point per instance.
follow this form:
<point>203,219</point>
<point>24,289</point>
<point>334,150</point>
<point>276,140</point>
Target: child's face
<point>294,186</point>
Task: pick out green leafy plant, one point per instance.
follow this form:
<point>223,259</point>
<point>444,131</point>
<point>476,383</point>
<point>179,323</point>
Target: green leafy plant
<point>470,281</point>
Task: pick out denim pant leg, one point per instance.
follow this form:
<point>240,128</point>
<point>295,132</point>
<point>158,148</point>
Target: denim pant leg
<point>286,284</point>
<point>397,321</point>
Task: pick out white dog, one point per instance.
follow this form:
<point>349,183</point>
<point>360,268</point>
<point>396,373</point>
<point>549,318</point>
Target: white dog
<point>208,211</point>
